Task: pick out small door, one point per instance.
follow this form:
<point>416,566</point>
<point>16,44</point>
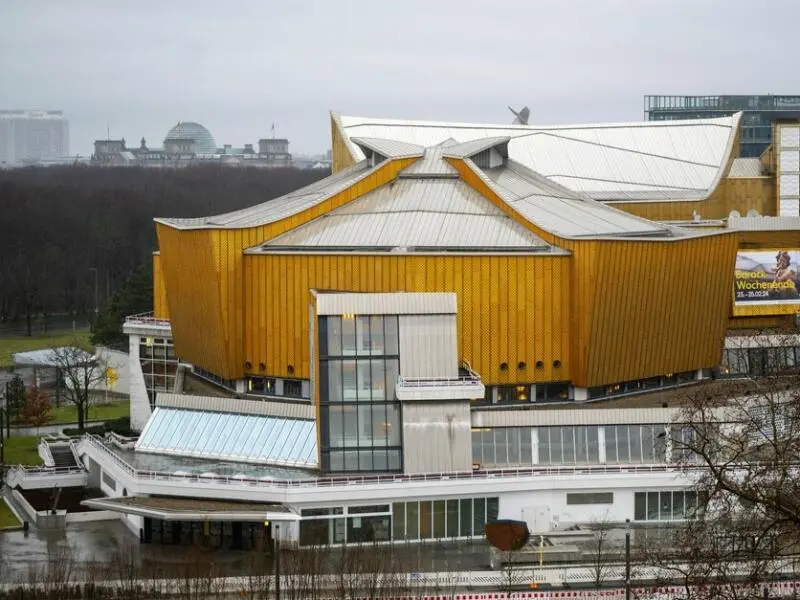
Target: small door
<point>537,518</point>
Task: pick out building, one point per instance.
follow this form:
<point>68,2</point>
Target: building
<point>190,144</point>
<point>30,136</point>
<point>376,357</point>
<point>758,114</point>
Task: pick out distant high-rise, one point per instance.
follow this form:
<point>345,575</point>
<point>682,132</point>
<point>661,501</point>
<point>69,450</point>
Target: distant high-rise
<point>29,136</point>
<point>758,114</point>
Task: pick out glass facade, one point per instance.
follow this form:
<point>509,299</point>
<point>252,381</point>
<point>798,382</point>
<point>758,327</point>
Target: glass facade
<point>639,386</point>
<point>758,114</point>
<point>360,417</point>
<point>159,365</point>
<point>665,505</point>
<point>759,362</point>
<point>569,445</point>
<point>632,444</point>
<point>229,436</point>
<point>413,521</point>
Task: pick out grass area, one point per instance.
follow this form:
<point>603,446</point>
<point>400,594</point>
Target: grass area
<point>7,518</point>
<point>22,450</point>
<point>11,345</point>
<point>97,412</point>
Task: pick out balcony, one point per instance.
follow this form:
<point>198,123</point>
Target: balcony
<point>412,389</point>
<point>147,324</point>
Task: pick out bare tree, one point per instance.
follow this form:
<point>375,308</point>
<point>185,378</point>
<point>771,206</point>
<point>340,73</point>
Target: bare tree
<point>83,372</point>
<point>602,551</point>
<point>740,449</point>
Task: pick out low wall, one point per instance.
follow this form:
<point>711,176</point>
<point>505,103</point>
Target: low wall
<point>30,512</point>
<point>92,516</point>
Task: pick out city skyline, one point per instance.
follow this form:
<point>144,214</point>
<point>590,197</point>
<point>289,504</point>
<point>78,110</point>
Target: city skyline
<point>164,63</point>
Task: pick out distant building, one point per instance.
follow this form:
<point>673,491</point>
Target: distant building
<point>758,114</point>
<point>106,150</point>
<point>189,143</point>
<point>31,136</point>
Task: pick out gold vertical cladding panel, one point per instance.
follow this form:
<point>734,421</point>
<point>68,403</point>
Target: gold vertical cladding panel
<point>204,275</point>
<point>643,308</point>
<point>189,267</point>
<point>483,314</point>
<point>740,194</point>
<point>160,305</point>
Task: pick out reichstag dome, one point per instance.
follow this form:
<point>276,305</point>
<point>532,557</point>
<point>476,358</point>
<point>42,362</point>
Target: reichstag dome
<point>189,130</point>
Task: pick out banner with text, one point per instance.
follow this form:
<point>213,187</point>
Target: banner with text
<point>767,277</point>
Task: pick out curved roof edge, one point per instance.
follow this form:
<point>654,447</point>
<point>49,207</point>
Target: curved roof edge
<point>281,207</point>
<point>659,193</point>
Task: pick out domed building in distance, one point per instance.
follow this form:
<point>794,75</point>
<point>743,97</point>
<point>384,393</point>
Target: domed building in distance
<point>197,138</point>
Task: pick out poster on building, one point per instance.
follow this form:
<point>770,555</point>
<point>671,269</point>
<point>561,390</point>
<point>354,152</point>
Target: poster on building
<point>767,277</point>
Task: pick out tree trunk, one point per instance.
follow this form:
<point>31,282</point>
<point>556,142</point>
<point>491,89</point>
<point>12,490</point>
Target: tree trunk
<point>80,417</point>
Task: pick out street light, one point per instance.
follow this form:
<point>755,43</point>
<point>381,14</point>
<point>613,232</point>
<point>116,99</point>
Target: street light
<point>627,559</point>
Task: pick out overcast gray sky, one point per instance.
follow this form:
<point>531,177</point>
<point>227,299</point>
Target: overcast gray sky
<point>236,67</point>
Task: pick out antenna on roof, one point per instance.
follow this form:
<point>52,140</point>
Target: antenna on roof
<point>521,117</point>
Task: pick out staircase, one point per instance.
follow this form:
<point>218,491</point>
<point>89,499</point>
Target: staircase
<point>63,456</point>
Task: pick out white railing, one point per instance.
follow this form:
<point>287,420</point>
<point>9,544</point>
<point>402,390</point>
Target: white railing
<point>334,482</point>
<point>147,319</point>
<point>438,381</point>
<point>45,454</point>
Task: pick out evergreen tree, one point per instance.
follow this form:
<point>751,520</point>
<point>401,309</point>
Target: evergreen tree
<point>135,296</point>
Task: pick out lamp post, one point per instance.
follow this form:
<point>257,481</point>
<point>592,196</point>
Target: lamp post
<point>277,543</point>
<point>2,443</point>
<point>96,303</point>
<point>627,559</point>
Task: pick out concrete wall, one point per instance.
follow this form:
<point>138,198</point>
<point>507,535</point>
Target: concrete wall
<point>92,516</point>
<point>437,437</point>
<point>140,403</point>
<point>428,346</point>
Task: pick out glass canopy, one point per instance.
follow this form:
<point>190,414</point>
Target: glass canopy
<point>228,436</point>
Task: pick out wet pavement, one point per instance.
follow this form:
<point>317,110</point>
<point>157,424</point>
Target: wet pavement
<point>20,552</point>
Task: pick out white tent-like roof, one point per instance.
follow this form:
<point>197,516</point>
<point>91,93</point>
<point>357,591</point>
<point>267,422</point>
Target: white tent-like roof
<point>648,161</point>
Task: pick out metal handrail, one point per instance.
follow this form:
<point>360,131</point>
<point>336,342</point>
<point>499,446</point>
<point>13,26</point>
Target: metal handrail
<point>147,319</point>
<point>437,381</point>
<point>332,482</point>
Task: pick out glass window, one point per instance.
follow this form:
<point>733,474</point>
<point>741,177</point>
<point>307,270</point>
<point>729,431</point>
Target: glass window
<point>678,509</point>
<point>568,445</point>
<point>412,520</point>
<point>392,372</point>
<point>652,506</point>
<point>452,518</point>
<point>591,498</point>
<point>500,446</point>
<point>349,381</point>
<point>426,520</point>
<point>513,393</point>
<point>292,388</point>
<point>393,424</point>
<point>492,509</point>
<point>665,506</point>
<point>378,380</point>
<point>477,447</point>
<point>377,346</point>
<point>362,336</point>
<point>364,380</point>
<point>512,435</point>
<point>640,506</point>
<point>333,331</point>
<point>478,517</point>
<point>348,335</point>
<point>333,390</point>
<point>398,521</point>
<point>391,336</point>
<point>439,518</point>
<point>526,454</point>
<point>556,456</point>
<point>466,517</point>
